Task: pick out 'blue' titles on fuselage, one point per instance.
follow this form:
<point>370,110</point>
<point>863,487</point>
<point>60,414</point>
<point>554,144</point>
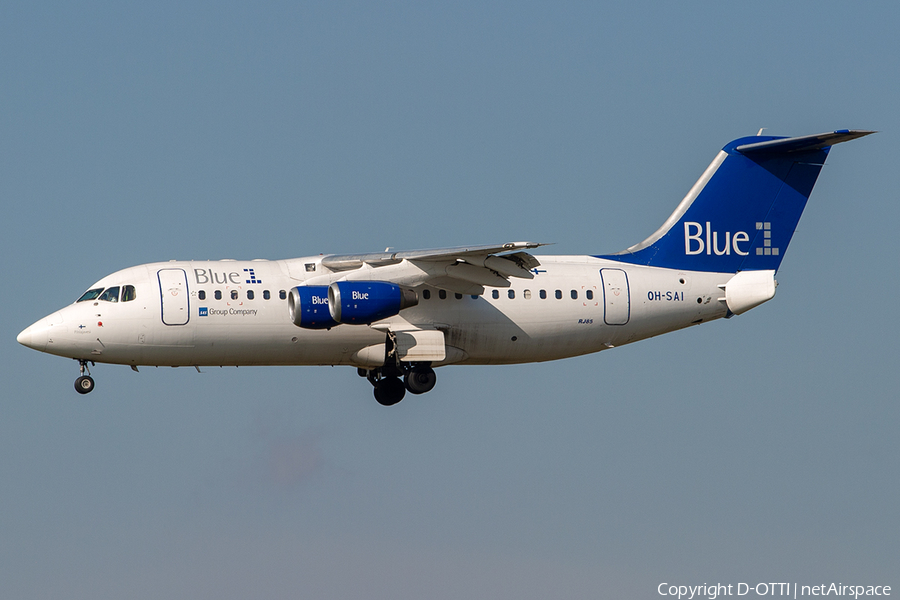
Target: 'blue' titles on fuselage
<point>202,276</point>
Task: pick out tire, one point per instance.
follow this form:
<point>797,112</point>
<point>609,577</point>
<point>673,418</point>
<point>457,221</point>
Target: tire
<point>84,385</point>
<point>419,380</point>
<point>389,391</point>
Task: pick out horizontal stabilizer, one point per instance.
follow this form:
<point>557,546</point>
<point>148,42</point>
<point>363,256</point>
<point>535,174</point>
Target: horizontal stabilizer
<point>804,143</point>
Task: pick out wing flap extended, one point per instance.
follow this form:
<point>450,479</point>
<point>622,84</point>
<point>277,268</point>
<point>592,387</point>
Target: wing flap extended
<point>457,286</point>
<point>420,345</point>
<point>414,342</point>
<point>476,275</point>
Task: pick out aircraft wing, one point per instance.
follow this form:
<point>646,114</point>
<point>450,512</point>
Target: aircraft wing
<point>461,269</point>
<point>338,262</point>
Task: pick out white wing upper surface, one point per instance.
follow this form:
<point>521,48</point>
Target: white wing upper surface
<point>463,269</point>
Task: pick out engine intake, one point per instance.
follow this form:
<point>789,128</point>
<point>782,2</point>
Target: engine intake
<point>308,306</point>
<point>364,302</point>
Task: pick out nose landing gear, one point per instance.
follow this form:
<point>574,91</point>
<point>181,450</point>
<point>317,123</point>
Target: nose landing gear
<point>85,383</point>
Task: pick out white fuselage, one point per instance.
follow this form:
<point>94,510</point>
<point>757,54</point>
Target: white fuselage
<point>574,305</point>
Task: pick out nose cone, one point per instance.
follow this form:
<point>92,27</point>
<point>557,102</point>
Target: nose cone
<point>34,337</point>
<point>38,335</point>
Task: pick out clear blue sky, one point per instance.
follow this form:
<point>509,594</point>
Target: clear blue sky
<point>763,448</point>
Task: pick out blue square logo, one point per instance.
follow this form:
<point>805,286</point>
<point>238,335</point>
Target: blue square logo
<point>204,311</point>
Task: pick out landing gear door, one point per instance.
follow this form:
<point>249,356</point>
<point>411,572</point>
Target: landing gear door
<point>173,291</point>
<point>616,297</point>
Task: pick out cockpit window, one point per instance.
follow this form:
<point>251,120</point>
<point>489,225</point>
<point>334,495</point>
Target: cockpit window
<point>110,295</point>
<point>90,295</point>
<point>128,293</point>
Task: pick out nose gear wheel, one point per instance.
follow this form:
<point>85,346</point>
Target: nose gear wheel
<point>85,383</point>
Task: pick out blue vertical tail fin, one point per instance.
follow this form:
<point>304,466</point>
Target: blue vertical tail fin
<point>742,212</point>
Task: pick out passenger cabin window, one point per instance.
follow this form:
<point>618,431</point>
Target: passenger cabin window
<point>495,294</point>
<point>266,295</point>
<point>511,294</point>
<point>457,296</point>
<point>543,294</point>
<point>590,294</point>
<point>249,294</point>
<point>110,295</point>
<point>218,294</point>
<point>574,294</point>
<point>234,294</point>
<point>90,294</point>
<point>282,294</point>
<point>201,294</point>
<point>442,294</point>
<point>527,294</point>
<point>426,294</point>
<point>559,294</point>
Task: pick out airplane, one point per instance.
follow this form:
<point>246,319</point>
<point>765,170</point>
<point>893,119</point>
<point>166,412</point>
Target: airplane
<point>395,316</point>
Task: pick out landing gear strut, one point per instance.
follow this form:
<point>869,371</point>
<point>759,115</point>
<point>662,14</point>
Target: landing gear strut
<point>85,383</point>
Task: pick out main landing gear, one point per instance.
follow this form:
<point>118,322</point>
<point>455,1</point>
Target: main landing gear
<point>418,378</point>
<point>85,383</point>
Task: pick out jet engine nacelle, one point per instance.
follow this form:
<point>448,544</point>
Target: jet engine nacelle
<point>364,302</point>
<point>308,306</point>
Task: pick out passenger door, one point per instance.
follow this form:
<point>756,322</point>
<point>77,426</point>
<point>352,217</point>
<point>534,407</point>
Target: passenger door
<point>173,291</point>
<point>616,297</point>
